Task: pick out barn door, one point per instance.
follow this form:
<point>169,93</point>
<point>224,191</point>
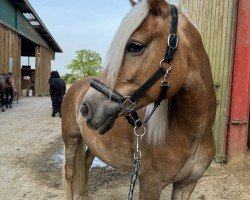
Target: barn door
<point>215,20</point>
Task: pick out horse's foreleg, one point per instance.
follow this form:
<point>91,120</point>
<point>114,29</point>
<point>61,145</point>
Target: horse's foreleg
<point>149,191</point>
<point>182,191</point>
<point>71,147</point>
<point>88,162</point>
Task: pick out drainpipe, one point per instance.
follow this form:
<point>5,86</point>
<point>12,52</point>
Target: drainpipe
<point>236,146</point>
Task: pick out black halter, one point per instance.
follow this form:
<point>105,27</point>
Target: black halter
<point>129,102</point>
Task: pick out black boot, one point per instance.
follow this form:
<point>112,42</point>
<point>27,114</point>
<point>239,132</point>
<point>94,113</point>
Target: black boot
<point>53,114</point>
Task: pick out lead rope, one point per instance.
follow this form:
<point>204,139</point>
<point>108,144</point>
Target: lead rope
<point>137,157</point>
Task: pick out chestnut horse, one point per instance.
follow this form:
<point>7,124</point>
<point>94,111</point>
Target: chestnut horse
<point>179,145</point>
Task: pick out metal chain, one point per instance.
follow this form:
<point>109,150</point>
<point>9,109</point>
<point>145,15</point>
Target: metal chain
<point>139,133</point>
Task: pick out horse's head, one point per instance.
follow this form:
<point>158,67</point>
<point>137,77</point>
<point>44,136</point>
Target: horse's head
<point>134,56</point>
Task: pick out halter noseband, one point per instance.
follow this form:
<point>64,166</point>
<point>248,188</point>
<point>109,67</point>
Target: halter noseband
<point>129,102</point>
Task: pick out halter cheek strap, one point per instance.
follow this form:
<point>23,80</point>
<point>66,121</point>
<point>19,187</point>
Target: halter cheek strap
<point>173,39</point>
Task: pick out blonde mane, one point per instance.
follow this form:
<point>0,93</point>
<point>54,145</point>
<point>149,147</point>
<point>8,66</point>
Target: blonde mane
<point>129,24</point>
<point>157,124</point>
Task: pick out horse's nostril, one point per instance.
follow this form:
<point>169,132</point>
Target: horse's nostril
<point>84,110</point>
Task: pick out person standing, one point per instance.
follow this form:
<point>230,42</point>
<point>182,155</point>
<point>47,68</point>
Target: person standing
<point>57,90</point>
<point>9,90</point>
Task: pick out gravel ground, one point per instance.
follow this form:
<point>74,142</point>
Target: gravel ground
<point>30,162</point>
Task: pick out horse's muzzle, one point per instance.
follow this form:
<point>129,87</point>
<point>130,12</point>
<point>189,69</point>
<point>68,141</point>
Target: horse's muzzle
<point>100,113</point>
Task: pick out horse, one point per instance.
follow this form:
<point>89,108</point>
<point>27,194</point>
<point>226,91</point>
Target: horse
<point>57,90</point>
<point>178,145</point>
<point>3,79</point>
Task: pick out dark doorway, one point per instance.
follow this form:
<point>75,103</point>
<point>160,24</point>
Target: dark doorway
<point>27,48</point>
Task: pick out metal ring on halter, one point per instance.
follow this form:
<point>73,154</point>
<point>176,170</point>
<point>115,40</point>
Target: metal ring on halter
<point>176,42</point>
<point>137,128</point>
<point>170,67</point>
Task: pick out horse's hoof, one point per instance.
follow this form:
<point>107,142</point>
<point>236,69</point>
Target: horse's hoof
<point>53,115</point>
<point>3,110</point>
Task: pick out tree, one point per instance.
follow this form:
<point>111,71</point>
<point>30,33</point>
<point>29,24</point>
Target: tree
<point>69,78</point>
<point>86,63</point>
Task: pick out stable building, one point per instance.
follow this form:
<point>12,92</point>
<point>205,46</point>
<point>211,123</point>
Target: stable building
<point>22,33</point>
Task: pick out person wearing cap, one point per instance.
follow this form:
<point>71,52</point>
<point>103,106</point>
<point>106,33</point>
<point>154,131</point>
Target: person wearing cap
<point>9,90</point>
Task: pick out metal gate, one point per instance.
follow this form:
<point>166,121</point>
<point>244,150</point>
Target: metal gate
<point>215,20</point>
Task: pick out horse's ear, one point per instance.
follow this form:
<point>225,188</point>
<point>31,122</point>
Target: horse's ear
<point>159,7</point>
<point>132,2</point>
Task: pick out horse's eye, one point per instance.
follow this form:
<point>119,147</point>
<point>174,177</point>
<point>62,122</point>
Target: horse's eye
<point>135,47</point>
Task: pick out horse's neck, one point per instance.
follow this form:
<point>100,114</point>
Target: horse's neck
<point>191,110</point>
<point>195,104</point>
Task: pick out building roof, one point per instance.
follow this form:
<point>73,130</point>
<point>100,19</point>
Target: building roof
<point>34,20</point>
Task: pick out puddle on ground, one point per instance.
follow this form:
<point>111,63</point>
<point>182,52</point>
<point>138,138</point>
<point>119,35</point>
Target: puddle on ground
<point>57,158</point>
<point>98,163</point>
<point>47,167</point>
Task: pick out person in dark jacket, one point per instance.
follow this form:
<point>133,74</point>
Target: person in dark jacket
<point>57,90</point>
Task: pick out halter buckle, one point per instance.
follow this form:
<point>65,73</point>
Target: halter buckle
<point>128,105</point>
<point>164,84</point>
